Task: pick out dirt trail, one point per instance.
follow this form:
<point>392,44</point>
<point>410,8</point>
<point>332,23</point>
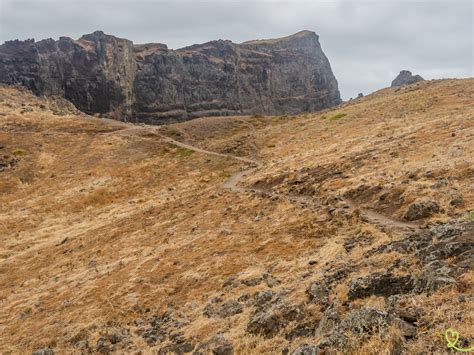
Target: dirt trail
<point>199,150</point>
<point>382,220</point>
<point>232,183</point>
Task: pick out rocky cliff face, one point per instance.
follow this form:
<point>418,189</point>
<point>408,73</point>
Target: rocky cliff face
<point>149,83</point>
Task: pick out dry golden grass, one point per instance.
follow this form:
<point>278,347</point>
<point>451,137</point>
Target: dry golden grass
<point>102,220</point>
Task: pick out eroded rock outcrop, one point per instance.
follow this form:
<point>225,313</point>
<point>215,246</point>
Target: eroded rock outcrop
<point>406,78</point>
<point>103,74</point>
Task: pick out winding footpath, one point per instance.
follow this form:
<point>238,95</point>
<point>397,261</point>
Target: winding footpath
<point>232,183</point>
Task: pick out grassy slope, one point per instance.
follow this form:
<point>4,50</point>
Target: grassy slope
<point>103,224</point>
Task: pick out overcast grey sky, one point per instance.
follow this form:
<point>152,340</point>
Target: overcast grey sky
<point>367,42</point>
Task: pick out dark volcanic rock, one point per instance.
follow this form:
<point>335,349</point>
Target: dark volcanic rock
<point>43,351</point>
<point>149,83</point>
<point>380,285</point>
<point>221,346</point>
<point>318,294</point>
<point>421,209</point>
<point>306,349</point>
<point>405,78</point>
<point>225,310</point>
<point>268,321</point>
<point>362,323</point>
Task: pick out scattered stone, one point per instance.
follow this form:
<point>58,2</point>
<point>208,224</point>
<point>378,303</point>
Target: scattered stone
<point>365,321</point>
<point>337,275</point>
<point>118,335</point>
<point>271,281</point>
<point>268,321</point>
<point>43,351</point>
<point>318,294</point>
<point>82,345</point>
<point>457,202</point>
<point>243,298</point>
<point>8,161</point>
<point>262,297</point>
<point>329,320</point>
<point>227,309</point>
<point>307,329</point>
<point>157,331</point>
<point>101,344</point>
<point>439,184</point>
<point>407,330</point>
<point>221,346</point>
<point>252,282</point>
<point>182,347</point>
<point>307,349</point>
<point>421,209</point>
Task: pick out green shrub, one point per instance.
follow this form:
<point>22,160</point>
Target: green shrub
<point>19,152</point>
<point>337,116</point>
<point>184,152</point>
<point>470,216</point>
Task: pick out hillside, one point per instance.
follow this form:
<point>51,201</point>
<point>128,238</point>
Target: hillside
<point>349,229</point>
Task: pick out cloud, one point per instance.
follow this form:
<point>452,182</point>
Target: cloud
<point>367,42</point>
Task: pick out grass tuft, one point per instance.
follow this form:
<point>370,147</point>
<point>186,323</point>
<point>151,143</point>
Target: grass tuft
<point>19,152</point>
<point>184,152</point>
<point>337,116</point>
<point>470,216</point>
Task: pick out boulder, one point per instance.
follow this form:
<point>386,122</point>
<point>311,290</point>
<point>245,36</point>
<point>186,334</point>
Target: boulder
<point>420,209</point>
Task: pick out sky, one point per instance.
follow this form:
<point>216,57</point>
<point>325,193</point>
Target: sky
<point>367,42</point>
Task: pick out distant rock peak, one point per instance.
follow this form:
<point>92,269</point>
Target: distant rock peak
<point>405,78</point>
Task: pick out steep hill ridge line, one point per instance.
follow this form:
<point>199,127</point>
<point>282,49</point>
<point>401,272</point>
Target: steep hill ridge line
<point>109,76</point>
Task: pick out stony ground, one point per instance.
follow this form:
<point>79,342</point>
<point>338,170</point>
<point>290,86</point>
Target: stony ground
<point>349,230</point>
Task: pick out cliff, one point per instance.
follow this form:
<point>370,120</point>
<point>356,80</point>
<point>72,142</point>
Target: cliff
<point>103,74</point>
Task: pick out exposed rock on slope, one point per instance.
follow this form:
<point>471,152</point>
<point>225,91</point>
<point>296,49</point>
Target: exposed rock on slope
<point>149,83</point>
<point>406,78</point>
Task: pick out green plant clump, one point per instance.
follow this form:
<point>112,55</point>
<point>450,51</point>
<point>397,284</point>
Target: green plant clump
<point>337,116</point>
<point>184,152</point>
<point>470,216</point>
<point>19,152</point>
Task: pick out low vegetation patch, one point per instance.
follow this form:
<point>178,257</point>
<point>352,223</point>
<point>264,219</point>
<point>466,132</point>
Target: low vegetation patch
<point>183,152</point>
<point>337,116</point>
<point>19,152</point>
